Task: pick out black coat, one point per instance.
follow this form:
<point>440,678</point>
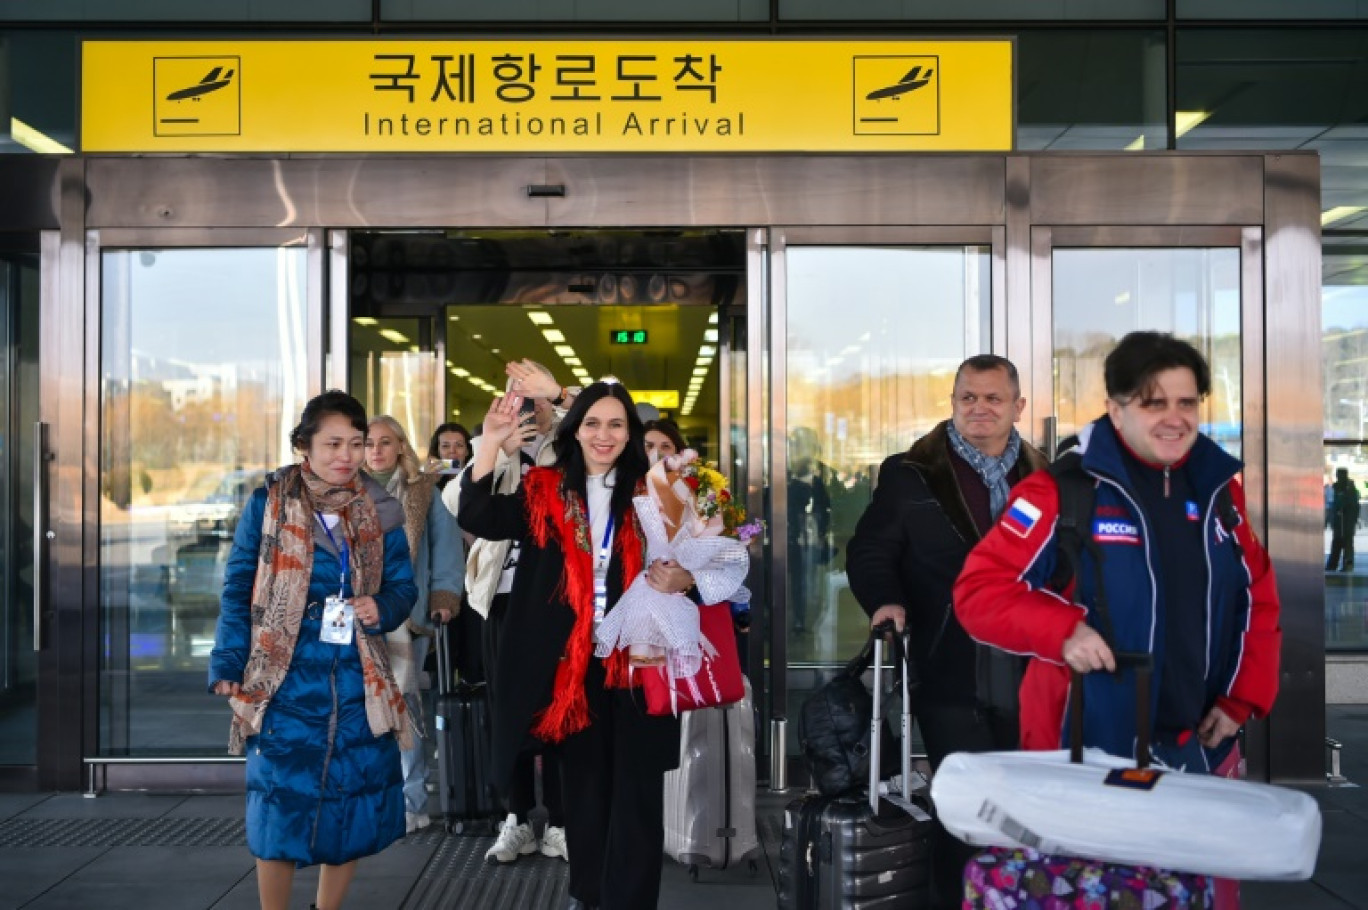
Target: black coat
<point>535,632</point>
<point>909,547</point>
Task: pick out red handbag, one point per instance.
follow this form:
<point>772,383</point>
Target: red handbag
<point>718,682</point>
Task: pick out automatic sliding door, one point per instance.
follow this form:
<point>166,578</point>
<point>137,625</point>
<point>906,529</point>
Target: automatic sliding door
<point>870,337</point>
<point>204,371</point>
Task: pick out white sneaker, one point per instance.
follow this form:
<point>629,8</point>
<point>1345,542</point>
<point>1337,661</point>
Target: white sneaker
<point>514,840</point>
<point>415,821</point>
<point>553,843</point>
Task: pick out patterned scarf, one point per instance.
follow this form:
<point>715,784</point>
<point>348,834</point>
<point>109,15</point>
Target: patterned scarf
<point>281,593</point>
<point>992,468</point>
<point>564,517</point>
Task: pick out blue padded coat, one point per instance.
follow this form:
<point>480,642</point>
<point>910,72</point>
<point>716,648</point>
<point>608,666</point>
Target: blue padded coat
<point>321,788</point>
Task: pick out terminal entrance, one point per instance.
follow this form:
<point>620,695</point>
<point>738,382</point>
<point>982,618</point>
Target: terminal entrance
<point>800,318</point>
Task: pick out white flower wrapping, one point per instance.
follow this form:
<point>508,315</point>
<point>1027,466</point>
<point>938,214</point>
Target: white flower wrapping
<point>659,629</point>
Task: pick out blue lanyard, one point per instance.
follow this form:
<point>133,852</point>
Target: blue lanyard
<point>341,548</point>
<point>607,539</point>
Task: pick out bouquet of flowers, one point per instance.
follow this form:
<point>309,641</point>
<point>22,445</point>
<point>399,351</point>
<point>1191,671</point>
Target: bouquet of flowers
<point>690,516</point>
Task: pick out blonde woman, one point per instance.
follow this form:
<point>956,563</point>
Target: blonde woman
<point>439,572</point>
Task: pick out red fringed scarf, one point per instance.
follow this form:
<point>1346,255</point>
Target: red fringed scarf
<point>563,518</point>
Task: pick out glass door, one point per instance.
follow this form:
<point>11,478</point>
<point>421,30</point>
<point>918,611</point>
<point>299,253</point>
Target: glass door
<point>1100,284</point>
<point>19,644</point>
<point>868,330</point>
<point>205,366</point>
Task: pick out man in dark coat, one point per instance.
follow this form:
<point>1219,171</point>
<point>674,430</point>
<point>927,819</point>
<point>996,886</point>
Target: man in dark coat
<point>931,505</point>
<point>1344,516</point>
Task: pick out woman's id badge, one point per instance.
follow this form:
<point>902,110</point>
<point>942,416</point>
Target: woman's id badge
<point>339,617</point>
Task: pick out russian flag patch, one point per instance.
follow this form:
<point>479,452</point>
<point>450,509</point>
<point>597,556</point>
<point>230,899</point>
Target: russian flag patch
<point>1021,516</point>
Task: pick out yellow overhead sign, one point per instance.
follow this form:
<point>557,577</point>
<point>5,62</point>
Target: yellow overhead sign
<point>529,96</point>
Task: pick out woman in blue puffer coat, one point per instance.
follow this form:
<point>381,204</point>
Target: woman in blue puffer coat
<point>318,573</point>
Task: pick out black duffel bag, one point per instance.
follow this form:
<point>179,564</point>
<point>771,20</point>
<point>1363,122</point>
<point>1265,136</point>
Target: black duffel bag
<point>836,725</point>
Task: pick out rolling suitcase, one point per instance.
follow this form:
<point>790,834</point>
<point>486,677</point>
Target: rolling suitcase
<point>858,854</point>
<point>1026,879</point>
<point>461,718</point>
<point>710,798</point>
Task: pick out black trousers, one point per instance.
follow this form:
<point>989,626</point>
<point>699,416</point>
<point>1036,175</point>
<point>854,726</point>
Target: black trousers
<point>1341,542</point>
<point>522,793</point>
<point>959,728</point>
<point>614,804</point>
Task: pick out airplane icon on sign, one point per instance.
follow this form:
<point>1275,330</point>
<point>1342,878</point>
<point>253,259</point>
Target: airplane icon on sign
<point>912,81</point>
<point>210,83</point>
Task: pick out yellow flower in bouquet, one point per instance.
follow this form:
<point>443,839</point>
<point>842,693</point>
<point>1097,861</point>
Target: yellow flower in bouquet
<point>713,502</point>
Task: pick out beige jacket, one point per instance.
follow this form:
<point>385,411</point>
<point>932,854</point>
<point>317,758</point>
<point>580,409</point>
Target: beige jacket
<point>484,562</point>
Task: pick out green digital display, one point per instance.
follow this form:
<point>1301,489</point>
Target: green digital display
<point>627,336</point>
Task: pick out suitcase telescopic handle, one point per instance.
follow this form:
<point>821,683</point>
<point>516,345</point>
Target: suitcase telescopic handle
<point>443,661</point>
<point>1142,662</point>
<point>876,722</point>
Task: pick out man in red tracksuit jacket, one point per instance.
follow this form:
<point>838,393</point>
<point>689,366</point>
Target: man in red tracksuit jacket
<point>1197,595</point>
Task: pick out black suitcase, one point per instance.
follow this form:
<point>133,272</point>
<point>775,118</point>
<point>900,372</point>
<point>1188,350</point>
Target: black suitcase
<point>461,719</point>
<point>860,854</point>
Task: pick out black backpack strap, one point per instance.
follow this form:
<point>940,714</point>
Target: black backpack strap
<point>1073,533</point>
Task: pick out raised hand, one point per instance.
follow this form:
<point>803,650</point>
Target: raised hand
<point>531,380</point>
<point>502,420</point>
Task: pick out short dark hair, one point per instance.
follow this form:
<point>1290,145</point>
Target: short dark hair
<point>669,428</point>
<point>333,401</point>
<point>632,464</point>
<point>435,443</point>
<point>984,363</point>
<point>1130,368</point>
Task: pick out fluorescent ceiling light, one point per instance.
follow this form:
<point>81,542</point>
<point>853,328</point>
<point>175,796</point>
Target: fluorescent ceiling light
<point>394,335</point>
<point>454,318</point>
<point>706,350</point>
<point>1339,213</point>
<point>573,362</point>
<point>700,371</point>
<point>712,319</point>
<point>565,350</point>
<point>30,138</point>
<point>555,336</point>
<point>704,361</point>
<point>710,335</point>
<point>1185,121</point>
<point>539,318</point>
<point>460,372</point>
<point>364,320</point>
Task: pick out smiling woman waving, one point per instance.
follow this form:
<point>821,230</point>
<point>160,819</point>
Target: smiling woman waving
<point>580,548</point>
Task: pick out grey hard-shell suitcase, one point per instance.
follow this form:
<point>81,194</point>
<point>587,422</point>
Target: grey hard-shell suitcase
<point>710,798</point>
<point>461,719</point>
<point>860,854</point>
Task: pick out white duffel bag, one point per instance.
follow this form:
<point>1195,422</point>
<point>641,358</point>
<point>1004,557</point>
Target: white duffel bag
<point>1106,809</point>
